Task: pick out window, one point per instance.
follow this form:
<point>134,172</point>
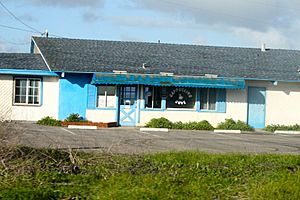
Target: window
<point>106,96</point>
<point>181,97</point>
<point>128,95</point>
<point>27,91</point>
<point>208,98</point>
<point>153,96</point>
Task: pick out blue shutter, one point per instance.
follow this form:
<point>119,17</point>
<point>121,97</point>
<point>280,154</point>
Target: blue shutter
<point>91,96</point>
<point>221,100</point>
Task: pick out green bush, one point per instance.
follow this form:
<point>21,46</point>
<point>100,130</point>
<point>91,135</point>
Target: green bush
<point>274,127</point>
<point>49,121</point>
<point>165,123</point>
<point>159,123</point>
<point>202,125</point>
<point>230,124</point>
<point>74,117</point>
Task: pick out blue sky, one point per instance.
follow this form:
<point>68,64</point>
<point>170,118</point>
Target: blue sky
<point>246,23</point>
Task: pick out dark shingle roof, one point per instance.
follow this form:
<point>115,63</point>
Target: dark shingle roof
<point>106,56</point>
<point>24,61</point>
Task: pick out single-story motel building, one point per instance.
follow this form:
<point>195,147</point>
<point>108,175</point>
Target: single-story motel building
<point>133,82</point>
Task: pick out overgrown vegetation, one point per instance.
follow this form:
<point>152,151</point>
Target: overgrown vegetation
<point>274,127</point>
<point>165,123</point>
<point>230,124</point>
<point>49,121</point>
<point>27,173</point>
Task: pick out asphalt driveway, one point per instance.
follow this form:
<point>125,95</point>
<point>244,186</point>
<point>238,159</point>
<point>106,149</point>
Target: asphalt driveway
<point>132,141</point>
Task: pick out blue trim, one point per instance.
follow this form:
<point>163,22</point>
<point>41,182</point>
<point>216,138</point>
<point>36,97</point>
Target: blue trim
<point>158,80</point>
<point>138,104</point>
<point>197,104</point>
<point>41,92</point>
<point>153,109</point>
<point>163,103</point>
<point>221,100</point>
<point>91,96</point>
<point>236,78</point>
<point>28,72</point>
<point>117,113</point>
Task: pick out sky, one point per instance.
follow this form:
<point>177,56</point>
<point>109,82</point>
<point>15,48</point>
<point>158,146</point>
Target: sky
<point>239,23</point>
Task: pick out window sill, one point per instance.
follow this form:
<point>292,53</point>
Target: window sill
<point>152,109</point>
<point>210,111</point>
<point>181,109</point>
<point>101,108</point>
<point>27,105</point>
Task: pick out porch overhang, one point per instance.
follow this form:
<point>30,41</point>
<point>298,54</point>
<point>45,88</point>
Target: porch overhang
<point>159,80</point>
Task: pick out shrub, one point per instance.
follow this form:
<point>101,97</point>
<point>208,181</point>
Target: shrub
<point>165,123</point>
<point>274,127</point>
<point>74,117</point>
<point>159,123</point>
<point>230,124</point>
<point>49,121</point>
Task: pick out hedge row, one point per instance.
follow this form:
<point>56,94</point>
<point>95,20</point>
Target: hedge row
<point>229,124</point>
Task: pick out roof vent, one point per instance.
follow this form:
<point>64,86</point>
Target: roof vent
<point>145,65</point>
<point>263,47</point>
<point>211,76</point>
<point>166,74</point>
<point>119,72</point>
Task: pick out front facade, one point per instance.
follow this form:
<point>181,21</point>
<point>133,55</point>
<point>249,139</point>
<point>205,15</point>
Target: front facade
<point>131,83</point>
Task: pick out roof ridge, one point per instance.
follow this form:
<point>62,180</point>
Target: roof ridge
<point>161,43</point>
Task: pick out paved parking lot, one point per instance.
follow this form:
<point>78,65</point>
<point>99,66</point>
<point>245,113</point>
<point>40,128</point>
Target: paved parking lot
<point>131,140</point>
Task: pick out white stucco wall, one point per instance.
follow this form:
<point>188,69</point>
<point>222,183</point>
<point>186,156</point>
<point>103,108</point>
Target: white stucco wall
<point>282,102</point>
<point>236,108</point>
<point>101,115</point>
<point>49,105</point>
<point>282,106</point>
<point>6,92</point>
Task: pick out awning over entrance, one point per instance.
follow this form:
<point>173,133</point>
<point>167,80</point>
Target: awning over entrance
<point>159,80</point>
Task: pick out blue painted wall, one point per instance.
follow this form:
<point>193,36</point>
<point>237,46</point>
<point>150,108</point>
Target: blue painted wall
<point>73,94</point>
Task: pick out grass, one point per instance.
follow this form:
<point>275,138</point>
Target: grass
<point>27,173</point>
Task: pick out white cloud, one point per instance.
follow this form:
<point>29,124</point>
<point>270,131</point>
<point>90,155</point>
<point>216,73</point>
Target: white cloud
<point>272,37</point>
<point>252,21</point>
<point>65,3</point>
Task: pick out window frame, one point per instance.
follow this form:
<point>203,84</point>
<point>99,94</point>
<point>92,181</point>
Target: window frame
<point>154,89</point>
<point>97,97</point>
<point>208,99</point>
<point>27,91</point>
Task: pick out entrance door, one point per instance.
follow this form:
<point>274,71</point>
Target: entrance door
<point>256,106</point>
<point>128,105</point>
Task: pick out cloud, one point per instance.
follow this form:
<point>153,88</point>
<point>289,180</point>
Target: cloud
<point>270,37</point>
<point>250,21</point>
<point>66,3</point>
<point>140,21</point>
<point>251,14</point>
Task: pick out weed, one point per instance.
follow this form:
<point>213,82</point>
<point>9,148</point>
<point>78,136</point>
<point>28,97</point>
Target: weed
<point>274,127</point>
<point>74,117</point>
<point>49,121</point>
<point>47,174</point>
